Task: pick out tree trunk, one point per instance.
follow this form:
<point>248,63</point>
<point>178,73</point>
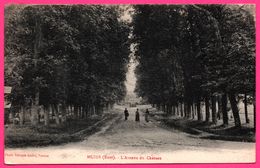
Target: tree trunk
<point>56,113</point>
<point>87,110</point>
<point>224,109</point>
<point>64,112</point>
<point>181,109</point>
<point>207,108</point>
<point>235,110</point>
<point>158,106</point>
<point>199,111</point>
<point>94,110</point>
<point>163,108</point>
<point>219,113</point>
<point>193,111</point>
<point>6,116</point>
<point>70,110</point>
<point>22,115</point>
<point>246,111</point>
<point>167,109</point>
<point>102,110</point>
<point>36,47</point>
<point>174,110</point>
<point>84,112</point>
<point>98,109</point>
<point>90,110</point>
<point>177,109</point>
<point>75,109</point>
<point>35,110</point>
<point>46,116</point>
<point>80,112</point>
<point>189,110</point>
<point>185,110</point>
<point>214,110</point>
<point>11,115</point>
<point>254,112</point>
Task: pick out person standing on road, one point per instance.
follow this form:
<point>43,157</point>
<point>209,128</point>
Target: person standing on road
<point>146,115</point>
<point>126,113</point>
<point>137,116</point>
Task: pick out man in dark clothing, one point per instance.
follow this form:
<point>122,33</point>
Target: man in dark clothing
<point>137,116</point>
<point>126,113</point>
<point>146,115</point>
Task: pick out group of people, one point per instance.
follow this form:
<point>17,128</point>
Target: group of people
<point>137,115</point>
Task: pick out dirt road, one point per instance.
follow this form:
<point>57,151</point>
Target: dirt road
<point>129,141</point>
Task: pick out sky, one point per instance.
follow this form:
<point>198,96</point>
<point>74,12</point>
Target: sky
<point>131,78</point>
<point>130,75</point>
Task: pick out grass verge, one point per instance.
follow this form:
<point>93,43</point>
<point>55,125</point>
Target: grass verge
<point>73,131</point>
<point>206,130</point>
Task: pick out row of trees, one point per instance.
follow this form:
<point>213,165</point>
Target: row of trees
<point>70,60</point>
<point>194,54</point>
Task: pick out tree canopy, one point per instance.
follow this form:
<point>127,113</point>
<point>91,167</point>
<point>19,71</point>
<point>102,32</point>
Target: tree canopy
<point>73,55</point>
<point>189,53</point>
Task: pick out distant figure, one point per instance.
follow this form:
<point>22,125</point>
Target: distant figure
<point>146,115</point>
<point>137,116</point>
<point>16,118</point>
<point>126,113</point>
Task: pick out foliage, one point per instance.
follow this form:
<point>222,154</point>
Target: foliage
<point>72,55</point>
<point>190,52</point>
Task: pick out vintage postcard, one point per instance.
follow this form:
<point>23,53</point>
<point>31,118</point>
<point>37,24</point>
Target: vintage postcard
<point>124,84</point>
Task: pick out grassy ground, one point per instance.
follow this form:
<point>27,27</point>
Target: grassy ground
<point>230,133</point>
<point>75,130</point>
<point>207,130</point>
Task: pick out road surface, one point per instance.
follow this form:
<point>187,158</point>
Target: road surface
<point>121,141</point>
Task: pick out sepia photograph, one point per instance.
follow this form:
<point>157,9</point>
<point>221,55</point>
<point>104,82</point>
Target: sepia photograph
<point>129,84</point>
